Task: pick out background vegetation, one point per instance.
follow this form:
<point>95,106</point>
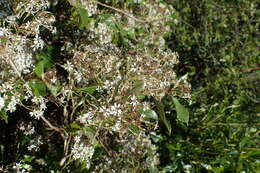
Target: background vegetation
<point>217,43</point>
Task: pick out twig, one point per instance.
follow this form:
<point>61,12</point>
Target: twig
<point>228,124</point>
<point>64,135</point>
<point>121,11</point>
<point>250,69</point>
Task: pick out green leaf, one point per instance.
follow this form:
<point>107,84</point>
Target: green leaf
<point>38,88</point>
<point>156,137</point>
<point>73,127</point>
<point>88,90</point>
<point>254,154</point>
<point>136,89</point>
<point>45,61</point>
<point>39,69</point>
<point>90,129</point>
<point>150,115</point>
<point>182,112</point>
<point>28,158</point>
<point>99,150</point>
<point>53,89</point>
<point>134,129</point>
<point>160,108</point>
<point>4,116</point>
<point>84,18</point>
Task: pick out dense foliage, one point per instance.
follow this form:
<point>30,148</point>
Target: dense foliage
<point>104,86</point>
<point>217,42</point>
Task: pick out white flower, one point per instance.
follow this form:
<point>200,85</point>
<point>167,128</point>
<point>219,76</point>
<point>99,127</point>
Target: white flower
<point>78,76</point>
<point>36,114</point>
<point>35,144</point>
<point>82,152</point>
<point>187,168</point>
<point>86,118</point>
<point>3,31</point>
<point>68,66</point>
<point>2,103</point>
<point>12,105</point>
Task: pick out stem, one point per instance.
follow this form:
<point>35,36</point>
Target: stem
<point>121,11</point>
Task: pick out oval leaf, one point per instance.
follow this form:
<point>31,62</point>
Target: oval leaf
<point>182,112</point>
<point>39,69</point>
<point>38,88</point>
<point>150,115</point>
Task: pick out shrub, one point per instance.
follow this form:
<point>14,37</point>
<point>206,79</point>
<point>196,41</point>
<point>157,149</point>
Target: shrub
<point>80,83</point>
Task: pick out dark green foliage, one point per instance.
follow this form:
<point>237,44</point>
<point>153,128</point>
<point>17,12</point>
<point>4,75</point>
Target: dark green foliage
<point>217,44</point>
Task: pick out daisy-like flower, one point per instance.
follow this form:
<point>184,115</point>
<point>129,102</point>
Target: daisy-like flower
<point>2,103</point>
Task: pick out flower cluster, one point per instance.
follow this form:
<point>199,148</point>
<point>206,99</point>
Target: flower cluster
<point>10,98</point>
<point>21,167</point>
<point>136,149</point>
<point>122,79</point>
<point>81,151</point>
<point>27,129</point>
<point>110,77</point>
<point>17,47</point>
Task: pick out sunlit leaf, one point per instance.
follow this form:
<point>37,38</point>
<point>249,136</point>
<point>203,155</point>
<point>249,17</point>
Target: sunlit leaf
<point>134,129</point>
<point>4,116</point>
<point>150,115</point>
<point>38,88</point>
<point>89,90</point>
<point>182,112</point>
<point>39,69</point>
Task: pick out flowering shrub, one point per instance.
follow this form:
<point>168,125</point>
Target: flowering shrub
<point>89,79</point>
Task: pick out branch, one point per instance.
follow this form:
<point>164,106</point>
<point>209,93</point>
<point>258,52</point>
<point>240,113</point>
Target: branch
<point>64,135</point>
<point>120,11</point>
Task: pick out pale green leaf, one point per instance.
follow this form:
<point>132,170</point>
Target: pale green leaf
<point>150,115</point>
<point>89,90</point>
<point>54,89</point>
<point>182,112</point>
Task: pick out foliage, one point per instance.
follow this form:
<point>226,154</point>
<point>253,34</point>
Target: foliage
<point>102,86</point>
<point>217,44</point>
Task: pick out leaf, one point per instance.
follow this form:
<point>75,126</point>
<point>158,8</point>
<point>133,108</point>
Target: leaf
<point>45,61</point>
<point>28,158</point>
<point>74,2</point>
<point>182,112</point>
<point>156,137</point>
<point>73,127</point>
<point>53,89</point>
<point>99,150</point>
<point>160,108</point>
<point>39,69</point>
<point>134,129</point>
<point>84,18</point>
<point>254,154</point>
<point>89,90</point>
<point>150,115</point>
<point>38,88</point>
<point>4,116</point>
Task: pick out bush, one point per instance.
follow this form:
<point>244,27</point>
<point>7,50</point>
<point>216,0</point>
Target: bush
<point>80,84</point>
<point>102,86</point>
